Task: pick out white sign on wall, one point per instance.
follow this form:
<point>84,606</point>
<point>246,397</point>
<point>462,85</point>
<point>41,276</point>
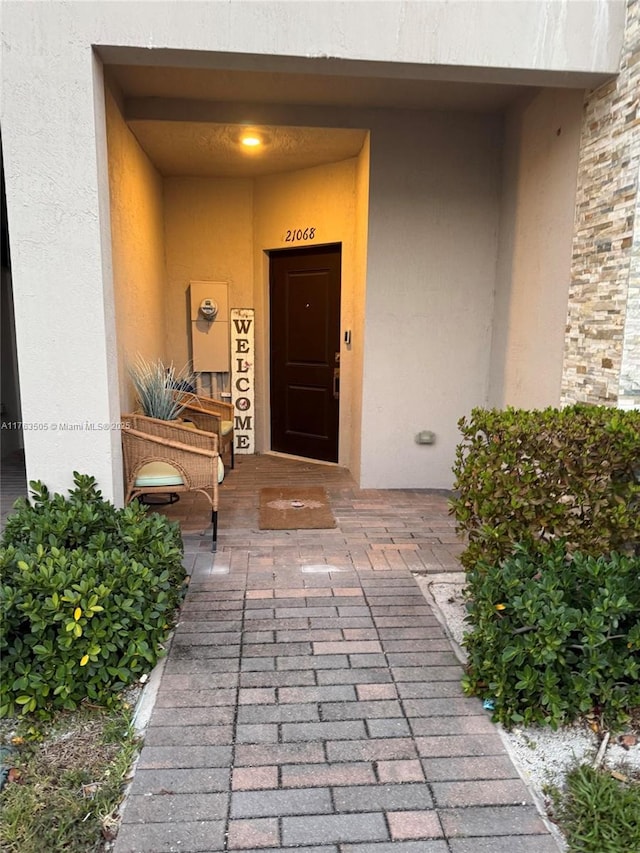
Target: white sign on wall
<point>243,378</point>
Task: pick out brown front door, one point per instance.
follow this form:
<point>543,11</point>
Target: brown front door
<point>305,351</point>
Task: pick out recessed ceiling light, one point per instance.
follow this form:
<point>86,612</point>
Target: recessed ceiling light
<point>251,141</point>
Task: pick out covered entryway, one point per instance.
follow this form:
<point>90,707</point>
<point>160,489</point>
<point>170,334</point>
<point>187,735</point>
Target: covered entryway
<point>210,207</point>
<point>304,291</point>
<point>215,170</point>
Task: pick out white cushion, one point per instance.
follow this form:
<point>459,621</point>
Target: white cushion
<point>158,474</point>
<point>164,474</point>
<point>225,426</point>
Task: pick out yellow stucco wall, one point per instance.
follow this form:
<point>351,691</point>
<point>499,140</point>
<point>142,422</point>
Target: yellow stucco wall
<point>324,198</point>
<point>208,237</point>
<point>137,246</point>
<point>219,229</point>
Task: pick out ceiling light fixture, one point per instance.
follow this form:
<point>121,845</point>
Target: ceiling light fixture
<point>251,141</point>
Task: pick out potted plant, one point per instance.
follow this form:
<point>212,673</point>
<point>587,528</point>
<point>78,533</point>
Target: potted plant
<point>162,391</point>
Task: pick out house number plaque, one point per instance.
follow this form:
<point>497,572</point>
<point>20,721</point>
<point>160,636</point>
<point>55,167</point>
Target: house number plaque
<point>297,235</point>
<point>242,378</point>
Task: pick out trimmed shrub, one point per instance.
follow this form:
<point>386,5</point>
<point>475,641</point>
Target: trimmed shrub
<point>555,635</point>
<point>87,597</point>
<point>542,475</point>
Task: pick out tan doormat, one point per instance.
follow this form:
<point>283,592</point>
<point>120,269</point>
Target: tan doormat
<point>295,509</point>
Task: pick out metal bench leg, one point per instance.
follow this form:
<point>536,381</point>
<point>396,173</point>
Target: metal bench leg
<point>214,520</point>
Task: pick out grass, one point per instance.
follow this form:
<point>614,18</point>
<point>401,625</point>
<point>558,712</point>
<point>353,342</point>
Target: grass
<point>67,784</point>
<point>597,813</point>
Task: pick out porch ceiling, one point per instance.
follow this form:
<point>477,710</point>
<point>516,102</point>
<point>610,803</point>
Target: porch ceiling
<point>188,120</point>
<point>188,148</point>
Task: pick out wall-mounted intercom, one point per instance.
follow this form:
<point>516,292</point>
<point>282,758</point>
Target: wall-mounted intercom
<point>209,305</point>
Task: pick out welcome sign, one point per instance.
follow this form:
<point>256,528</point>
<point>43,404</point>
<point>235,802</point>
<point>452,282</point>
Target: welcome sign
<point>243,378</point>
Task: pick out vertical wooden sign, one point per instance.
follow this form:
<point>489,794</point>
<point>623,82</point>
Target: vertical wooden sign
<point>243,378</point>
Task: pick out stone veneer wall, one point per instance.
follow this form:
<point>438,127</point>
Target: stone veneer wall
<point>630,370</point>
<point>602,344</point>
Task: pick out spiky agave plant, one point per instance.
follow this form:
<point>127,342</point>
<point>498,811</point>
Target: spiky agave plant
<point>162,391</point>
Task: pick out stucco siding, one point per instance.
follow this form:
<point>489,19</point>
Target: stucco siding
<point>433,226</point>
<point>209,237</point>
<point>536,227</point>
<point>137,248</point>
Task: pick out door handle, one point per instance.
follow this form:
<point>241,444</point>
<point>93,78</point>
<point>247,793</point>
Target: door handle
<point>336,383</point>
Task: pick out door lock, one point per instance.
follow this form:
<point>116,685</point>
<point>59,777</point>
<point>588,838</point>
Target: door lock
<point>336,383</point>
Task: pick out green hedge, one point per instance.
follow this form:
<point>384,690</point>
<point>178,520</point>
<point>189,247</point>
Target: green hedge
<point>550,505</point>
<point>540,475</point>
<point>555,635</point>
<point>87,597</point>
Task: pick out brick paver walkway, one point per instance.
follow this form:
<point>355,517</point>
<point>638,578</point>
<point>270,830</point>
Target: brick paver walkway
<point>321,710</point>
